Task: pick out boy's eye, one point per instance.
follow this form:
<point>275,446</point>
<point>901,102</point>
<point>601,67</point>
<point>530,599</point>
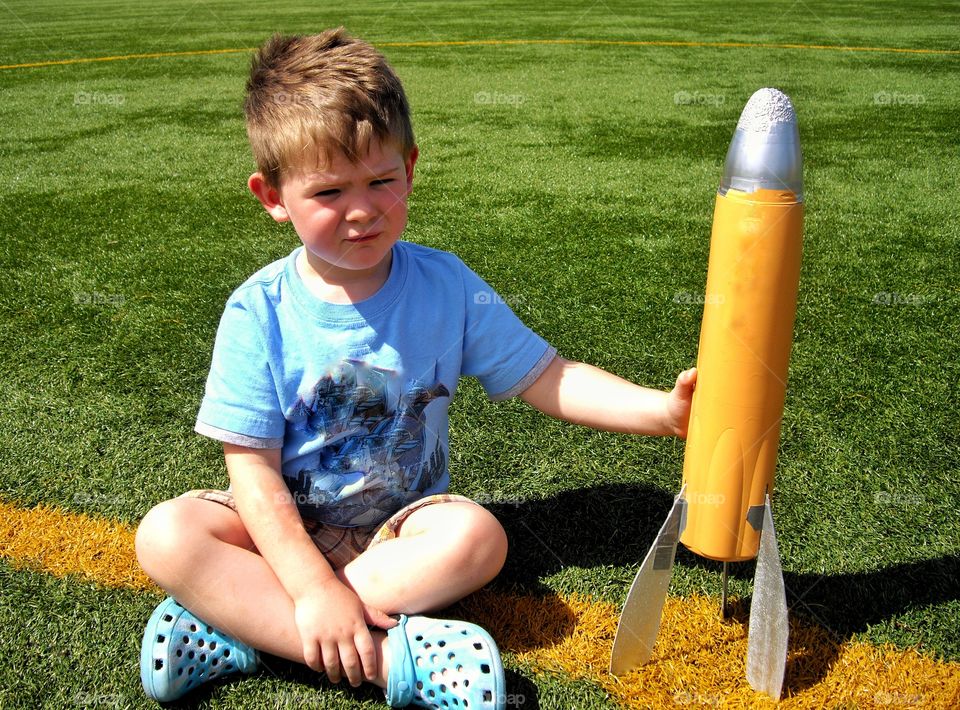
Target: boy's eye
<point>332,192</point>
<point>382,181</point>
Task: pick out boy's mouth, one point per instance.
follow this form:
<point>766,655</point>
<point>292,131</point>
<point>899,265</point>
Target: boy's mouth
<point>361,238</point>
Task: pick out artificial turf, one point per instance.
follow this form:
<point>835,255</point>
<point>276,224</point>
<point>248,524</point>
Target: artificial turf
<point>578,179</point>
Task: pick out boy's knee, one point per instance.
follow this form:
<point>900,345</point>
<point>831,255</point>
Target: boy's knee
<point>161,536</point>
<point>482,538</point>
<point>153,531</point>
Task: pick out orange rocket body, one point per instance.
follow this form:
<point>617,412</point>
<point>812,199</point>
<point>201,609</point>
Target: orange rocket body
<point>745,338</point>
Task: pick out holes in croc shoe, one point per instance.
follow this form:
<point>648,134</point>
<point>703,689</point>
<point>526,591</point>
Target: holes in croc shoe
<point>200,643</point>
<point>179,653</point>
<point>193,628</point>
<point>464,632</point>
<point>228,667</point>
<point>434,659</point>
<point>226,653</point>
<point>428,645</point>
<point>419,637</point>
<point>487,696</point>
<point>477,645</point>
<point>191,654</point>
<point>420,662</point>
<point>161,638</point>
<point>443,688</point>
<point>167,618</point>
<point>484,668</point>
<point>441,643</point>
<point>213,645</point>
<point>158,664</point>
<point>419,685</point>
<point>203,658</point>
<point>186,640</point>
<point>209,630</point>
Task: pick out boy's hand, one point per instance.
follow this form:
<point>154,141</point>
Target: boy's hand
<point>679,402</point>
<point>332,622</point>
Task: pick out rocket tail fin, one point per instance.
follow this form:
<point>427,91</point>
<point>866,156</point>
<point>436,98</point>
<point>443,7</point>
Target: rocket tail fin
<point>640,618</point>
<point>769,628</point>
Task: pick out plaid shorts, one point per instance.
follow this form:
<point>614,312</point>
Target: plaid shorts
<point>343,545</point>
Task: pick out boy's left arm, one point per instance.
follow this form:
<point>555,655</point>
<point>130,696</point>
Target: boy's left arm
<point>584,394</point>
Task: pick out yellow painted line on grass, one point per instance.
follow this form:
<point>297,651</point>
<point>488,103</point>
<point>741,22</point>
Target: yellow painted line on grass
<point>123,57</point>
<point>62,543</point>
<point>699,659</point>
<point>512,42</point>
<point>665,43</point>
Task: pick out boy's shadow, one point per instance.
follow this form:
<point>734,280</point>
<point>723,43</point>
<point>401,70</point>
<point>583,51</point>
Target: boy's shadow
<point>615,524</point>
<point>303,687</point>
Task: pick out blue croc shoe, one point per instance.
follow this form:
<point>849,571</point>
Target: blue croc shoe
<point>180,652</point>
<point>435,663</point>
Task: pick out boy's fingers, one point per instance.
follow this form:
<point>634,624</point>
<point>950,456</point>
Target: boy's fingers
<point>368,657</point>
<point>350,663</point>
<point>331,662</point>
<point>312,656</point>
<point>375,617</point>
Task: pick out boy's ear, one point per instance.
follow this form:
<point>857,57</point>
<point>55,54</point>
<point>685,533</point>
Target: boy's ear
<point>269,197</point>
<point>411,161</point>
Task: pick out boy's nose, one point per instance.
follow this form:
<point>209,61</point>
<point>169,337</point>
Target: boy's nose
<point>360,210</point>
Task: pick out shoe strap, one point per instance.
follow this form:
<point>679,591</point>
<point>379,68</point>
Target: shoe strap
<point>402,677</point>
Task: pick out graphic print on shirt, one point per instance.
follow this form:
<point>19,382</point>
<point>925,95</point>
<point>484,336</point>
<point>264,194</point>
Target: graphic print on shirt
<point>373,459</point>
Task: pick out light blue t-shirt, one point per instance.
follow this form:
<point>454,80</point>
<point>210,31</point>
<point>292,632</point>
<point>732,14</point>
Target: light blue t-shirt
<point>356,395</point>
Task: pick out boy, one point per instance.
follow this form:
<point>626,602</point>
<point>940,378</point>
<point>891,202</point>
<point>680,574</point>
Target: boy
<point>331,377</point>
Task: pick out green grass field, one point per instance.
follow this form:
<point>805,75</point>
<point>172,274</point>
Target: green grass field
<point>579,180</point>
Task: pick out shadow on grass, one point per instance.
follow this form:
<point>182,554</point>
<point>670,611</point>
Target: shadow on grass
<point>302,685</point>
<point>614,524</point>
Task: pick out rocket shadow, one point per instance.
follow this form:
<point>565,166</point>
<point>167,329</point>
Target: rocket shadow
<point>609,524</point>
<point>615,524</point>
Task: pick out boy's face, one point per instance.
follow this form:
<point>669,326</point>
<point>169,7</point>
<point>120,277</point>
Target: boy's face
<point>347,215</point>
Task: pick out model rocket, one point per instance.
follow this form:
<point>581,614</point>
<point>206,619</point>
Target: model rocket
<point>723,509</point>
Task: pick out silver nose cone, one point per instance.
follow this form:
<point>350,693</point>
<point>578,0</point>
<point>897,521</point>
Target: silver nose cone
<point>765,151</point>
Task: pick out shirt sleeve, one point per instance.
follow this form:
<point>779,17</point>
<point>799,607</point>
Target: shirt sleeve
<point>240,403</point>
<point>498,349</point>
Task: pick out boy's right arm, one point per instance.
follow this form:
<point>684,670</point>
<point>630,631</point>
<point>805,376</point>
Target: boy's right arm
<point>331,619</point>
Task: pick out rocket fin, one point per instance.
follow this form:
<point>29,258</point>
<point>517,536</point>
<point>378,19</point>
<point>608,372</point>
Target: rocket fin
<point>767,638</point>
<point>640,618</point>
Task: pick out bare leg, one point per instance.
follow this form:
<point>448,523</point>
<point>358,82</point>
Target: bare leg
<point>201,554</point>
<point>443,553</point>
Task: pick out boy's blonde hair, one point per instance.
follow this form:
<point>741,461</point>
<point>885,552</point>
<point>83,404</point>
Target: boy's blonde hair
<point>309,97</point>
